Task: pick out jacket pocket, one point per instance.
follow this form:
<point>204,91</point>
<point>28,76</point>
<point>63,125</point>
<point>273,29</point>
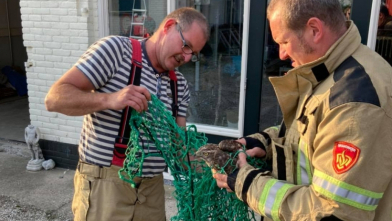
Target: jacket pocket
<point>283,162</point>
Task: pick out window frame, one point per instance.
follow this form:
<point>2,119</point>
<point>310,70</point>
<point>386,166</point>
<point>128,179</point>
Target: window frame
<point>103,19</point>
<point>229,132</point>
<point>373,24</point>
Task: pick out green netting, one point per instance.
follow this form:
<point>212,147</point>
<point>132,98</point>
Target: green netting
<point>196,192</point>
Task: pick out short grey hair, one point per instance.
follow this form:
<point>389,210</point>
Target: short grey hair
<point>186,16</point>
<point>296,13</point>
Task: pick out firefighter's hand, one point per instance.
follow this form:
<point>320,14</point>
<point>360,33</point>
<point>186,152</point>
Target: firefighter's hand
<point>221,180</point>
<point>253,147</point>
<point>241,141</point>
<point>241,160</point>
<point>136,97</point>
<point>256,152</point>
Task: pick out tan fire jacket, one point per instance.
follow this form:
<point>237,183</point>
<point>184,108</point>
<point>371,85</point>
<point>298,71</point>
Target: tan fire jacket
<point>336,156</point>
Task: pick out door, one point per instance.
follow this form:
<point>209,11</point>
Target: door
<point>217,81</point>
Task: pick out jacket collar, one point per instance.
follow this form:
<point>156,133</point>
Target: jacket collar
<point>297,85</point>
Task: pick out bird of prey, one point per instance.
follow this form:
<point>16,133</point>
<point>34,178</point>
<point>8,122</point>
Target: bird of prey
<point>218,156</point>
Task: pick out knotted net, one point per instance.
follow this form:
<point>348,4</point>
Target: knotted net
<point>196,192</point>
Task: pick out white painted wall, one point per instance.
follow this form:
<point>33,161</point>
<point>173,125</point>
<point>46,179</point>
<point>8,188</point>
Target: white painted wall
<point>55,34</point>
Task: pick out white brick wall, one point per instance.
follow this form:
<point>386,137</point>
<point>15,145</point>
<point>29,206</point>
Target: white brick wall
<point>55,34</point>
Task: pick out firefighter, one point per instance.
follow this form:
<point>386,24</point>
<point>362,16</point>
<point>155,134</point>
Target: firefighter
<point>332,156</point>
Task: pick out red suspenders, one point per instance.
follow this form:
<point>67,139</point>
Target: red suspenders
<point>124,131</point>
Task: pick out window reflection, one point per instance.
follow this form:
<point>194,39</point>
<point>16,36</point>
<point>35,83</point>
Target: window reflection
<point>384,22</point>
<point>384,32</point>
<point>214,81</point>
<point>136,18</point>
<point>346,7</point>
<point>347,11</point>
<point>270,113</point>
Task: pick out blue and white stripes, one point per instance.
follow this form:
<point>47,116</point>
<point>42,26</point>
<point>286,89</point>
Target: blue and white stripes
<point>107,65</point>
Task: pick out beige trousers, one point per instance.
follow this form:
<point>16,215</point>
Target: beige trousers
<point>100,195</point>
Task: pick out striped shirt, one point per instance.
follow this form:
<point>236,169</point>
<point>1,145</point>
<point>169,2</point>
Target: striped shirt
<point>107,64</point>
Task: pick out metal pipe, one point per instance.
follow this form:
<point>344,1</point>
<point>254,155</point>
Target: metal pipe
<point>9,32</point>
<point>197,75</point>
<point>197,63</point>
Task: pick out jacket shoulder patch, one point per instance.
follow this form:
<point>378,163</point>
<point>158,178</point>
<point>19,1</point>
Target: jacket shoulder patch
<point>345,156</point>
<point>352,84</point>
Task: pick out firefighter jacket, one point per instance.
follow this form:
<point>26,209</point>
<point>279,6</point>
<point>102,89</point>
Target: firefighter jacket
<point>334,161</point>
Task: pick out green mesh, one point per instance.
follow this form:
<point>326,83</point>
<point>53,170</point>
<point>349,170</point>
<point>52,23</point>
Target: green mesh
<point>197,195</point>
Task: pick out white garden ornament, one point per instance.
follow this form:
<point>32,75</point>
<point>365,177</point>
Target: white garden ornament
<point>32,136</point>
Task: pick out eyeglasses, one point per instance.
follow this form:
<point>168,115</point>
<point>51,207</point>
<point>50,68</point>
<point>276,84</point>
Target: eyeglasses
<point>186,48</point>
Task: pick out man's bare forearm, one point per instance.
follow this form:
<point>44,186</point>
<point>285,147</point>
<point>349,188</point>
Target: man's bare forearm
<point>70,100</point>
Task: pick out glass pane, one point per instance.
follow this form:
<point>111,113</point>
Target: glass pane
<point>214,81</point>
<point>384,32</point>
<point>270,113</point>
<point>140,16</point>
<point>346,6</point>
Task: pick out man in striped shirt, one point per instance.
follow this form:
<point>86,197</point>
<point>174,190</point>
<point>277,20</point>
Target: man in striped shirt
<point>97,87</point>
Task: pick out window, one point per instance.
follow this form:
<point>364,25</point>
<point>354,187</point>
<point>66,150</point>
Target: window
<point>135,18</point>
<point>215,81</point>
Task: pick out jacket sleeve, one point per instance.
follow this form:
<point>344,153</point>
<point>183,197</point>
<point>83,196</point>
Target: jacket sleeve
<point>341,185</point>
<point>263,138</point>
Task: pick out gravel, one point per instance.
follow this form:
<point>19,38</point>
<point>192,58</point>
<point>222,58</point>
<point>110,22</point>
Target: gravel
<point>13,210</point>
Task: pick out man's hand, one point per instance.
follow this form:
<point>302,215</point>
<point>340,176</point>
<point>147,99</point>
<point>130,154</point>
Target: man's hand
<point>134,96</point>
<point>74,95</point>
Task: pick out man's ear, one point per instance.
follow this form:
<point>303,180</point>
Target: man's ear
<point>171,22</point>
<point>316,27</point>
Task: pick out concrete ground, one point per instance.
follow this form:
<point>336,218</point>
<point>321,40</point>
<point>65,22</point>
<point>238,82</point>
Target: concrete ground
<point>35,196</point>
<point>40,196</point>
